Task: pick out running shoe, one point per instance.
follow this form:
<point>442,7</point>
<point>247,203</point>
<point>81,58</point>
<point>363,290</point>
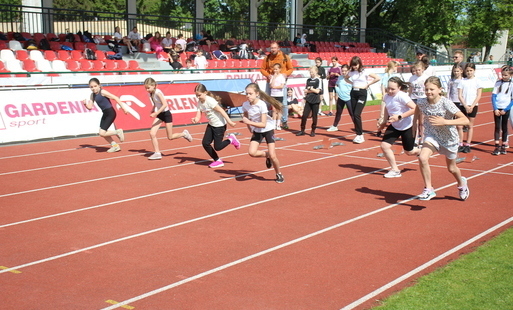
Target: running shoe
<point>268,163</point>
<point>312,134</point>
<point>114,149</point>
<point>503,150</point>
<point>156,155</point>
<point>301,133</point>
<point>392,174</point>
<point>496,151</point>
<point>216,164</point>
<point>461,148</point>
<point>284,125</point>
<point>278,127</point>
<point>279,178</point>
<point>332,128</point>
<point>466,149</point>
<point>330,114</point>
<point>359,139</point>
<point>121,135</point>
<point>463,190</point>
<point>187,136</point>
<point>234,141</point>
<point>427,194</point>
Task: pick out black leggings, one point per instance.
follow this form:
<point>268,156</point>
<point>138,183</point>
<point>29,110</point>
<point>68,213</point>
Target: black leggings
<point>340,108</point>
<point>358,100</point>
<point>501,122</point>
<point>215,134</point>
<point>314,107</point>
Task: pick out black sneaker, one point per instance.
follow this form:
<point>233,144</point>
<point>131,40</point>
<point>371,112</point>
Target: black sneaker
<point>284,125</point>
<point>279,178</point>
<point>503,150</point>
<point>312,134</point>
<point>301,133</point>
<point>466,149</point>
<point>268,163</point>
<point>496,151</point>
<point>461,148</point>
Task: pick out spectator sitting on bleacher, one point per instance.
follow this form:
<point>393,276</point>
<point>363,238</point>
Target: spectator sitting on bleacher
<point>174,62</point>
<point>167,43</point>
<point>180,43</point>
<point>297,39</point>
<point>156,42</point>
<point>117,39</point>
<point>135,38</point>
<point>231,45</point>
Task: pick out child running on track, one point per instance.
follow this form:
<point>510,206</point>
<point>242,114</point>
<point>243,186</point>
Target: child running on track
<point>399,110</point>
<point>102,98</point>
<point>217,120</point>
<point>160,113</point>
<point>502,101</point>
<point>440,135</point>
<point>261,125</point>
<point>469,92</point>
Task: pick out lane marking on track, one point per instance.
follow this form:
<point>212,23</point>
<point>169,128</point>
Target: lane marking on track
<point>10,269</point>
<point>428,264</point>
<point>113,302</point>
<point>314,234</point>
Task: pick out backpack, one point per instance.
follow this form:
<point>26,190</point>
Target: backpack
<point>31,44</point>
<point>191,47</point>
<point>218,54</point>
<point>88,37</point>
<point>44,44</point>
<point>207,54</point>
<point>70,37</point>
<point>3,37</point>
<point>18,37</point>
<point>114,46</point>
<point>89,54</point>
<point>117,56</point>
<point>66,48</point>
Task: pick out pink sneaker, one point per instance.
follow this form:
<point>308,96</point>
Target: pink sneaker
<point>216,164</point>
<point>234,141</point>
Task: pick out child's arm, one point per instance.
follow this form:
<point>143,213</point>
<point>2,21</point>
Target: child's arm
<point>410,112</point>
<point>162,108</point>
<point>478,97</point>
<point>459,120</point>
<point>196,119</point>
<point>375,79</point>
<point>223,113</point>
<point>261,124</point>
<point>244,119</point>
<point>382,121</point>
<point>460,96</point>
<point>88,102</point>
<point>115,98</point>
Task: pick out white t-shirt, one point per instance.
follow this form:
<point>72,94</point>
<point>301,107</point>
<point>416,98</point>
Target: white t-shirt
<point>181,42</point>
<point>430,71</point>
<point>418,88</point>
<point>504,95</point>
<point>155,99</point>
<point>397,105</point>
<point>215,119</point>
<point>469,89</point>
<point>167,42</point>
<point>278,80</point>
<point>117,36</point>
<point>200,62</point>
<point>359,79</point>
<point>134,35</point>
<point>255,112</point>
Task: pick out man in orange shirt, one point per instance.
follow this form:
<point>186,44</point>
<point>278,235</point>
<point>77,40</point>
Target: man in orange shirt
<point>277,56</point>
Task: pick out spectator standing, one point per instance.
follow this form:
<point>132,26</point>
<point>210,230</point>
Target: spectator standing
<point>333,74</point>
<point>277,56</point>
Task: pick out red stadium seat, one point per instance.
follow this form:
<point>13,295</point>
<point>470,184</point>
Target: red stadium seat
<point>73,65</point>
<point>30,65</point>
<point>22,55</point>
<point>77,55</point>
<point>79,46</point>
<point>62,55</point>
<point>91,46</point>
<point>50,55</point>
<point>100,55</point>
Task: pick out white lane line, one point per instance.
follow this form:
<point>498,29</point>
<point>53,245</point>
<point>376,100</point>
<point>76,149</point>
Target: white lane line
<point>294,241</point>
<point>162,192</point>
<point>435,260</point>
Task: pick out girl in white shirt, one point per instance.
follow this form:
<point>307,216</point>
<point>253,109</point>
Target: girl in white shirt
<point>502,101</point>
<point>399,110</point>
<point>217,120</point>
<point>277,83</point>
<point>200,61</point>
<point>261,125</point>
<point>161,114</point>
<point>359,78</point>
<point>469,92</point>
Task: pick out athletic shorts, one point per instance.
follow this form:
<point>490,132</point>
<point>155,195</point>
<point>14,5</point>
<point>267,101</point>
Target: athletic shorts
<point>331,89</point>
<point>464,110</point>
<point>392,134</point>
<point>450,154</point>
<point>259,136</point>
<point>165,116</point>
<point>108,117</point>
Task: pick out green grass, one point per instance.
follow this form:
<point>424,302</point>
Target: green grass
<point>479,280</point>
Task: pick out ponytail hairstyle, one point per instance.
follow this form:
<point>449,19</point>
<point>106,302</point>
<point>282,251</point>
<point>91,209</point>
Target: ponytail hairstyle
<point>391,65</point>
<point>403,86</point>
<point>435,81</point>
<point>94,80</point>
<point>200,88</point>
<point>508,70</point>
<point>265,97</point>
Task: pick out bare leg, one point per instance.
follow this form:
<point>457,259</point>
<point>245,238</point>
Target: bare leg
<point>426,152</point>
<point>389,155</point>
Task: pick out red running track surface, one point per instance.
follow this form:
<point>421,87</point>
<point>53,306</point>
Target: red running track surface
<point>84,229</point>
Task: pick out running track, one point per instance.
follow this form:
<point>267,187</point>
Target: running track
<point>84,229</point>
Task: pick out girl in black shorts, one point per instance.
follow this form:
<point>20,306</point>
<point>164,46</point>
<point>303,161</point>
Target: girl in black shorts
<point>161,113</point>
<point>102,98</point>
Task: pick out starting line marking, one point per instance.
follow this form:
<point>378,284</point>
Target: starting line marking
<point>113,302</point>
<point>10,270</point>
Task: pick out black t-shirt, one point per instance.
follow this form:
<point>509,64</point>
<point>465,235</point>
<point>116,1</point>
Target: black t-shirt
<point>176,65</point>
<point>314,83</point>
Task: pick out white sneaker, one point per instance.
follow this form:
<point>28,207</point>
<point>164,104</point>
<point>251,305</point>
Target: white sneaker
<point>114,149</point>
<point>392,174</point>
<point>359,139</point>
<point>332,128</point>
<point>427,194</point>
<point>187,136</point>
<point>278,127</point>
<point>155,156</point>
<point>463,190</point>
<point>134,49</point>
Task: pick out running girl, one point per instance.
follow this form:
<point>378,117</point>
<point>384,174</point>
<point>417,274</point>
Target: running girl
<point>160,113</point>
<point>102,98</point>
<point>277,83</point>
<point>469,92</point>
<point>502,101</point>
<point>217,119</point>
<point>261,125</point>
<point>312,101</point>
<point>343,90</point>
<point>440,135</point>
<point>399,110</point>
<point>359,78</point>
